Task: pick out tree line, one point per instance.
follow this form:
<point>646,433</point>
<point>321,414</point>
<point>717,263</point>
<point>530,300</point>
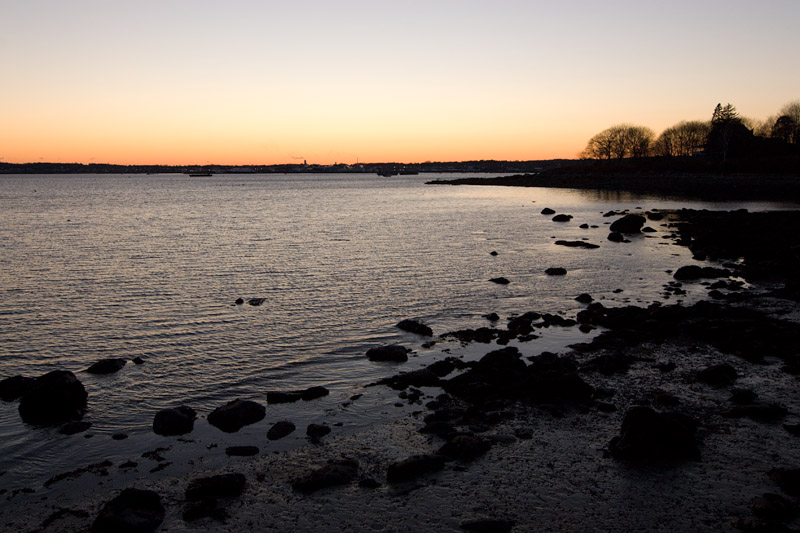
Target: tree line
<point>726,135</point>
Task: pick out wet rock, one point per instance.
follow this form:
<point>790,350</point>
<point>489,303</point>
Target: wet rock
<point>72,428</point>
<point>615,236</point>
<point>694,272</point>
<point>444,367</point>
<point>488,526</point>
<point>424,377</point>
<point>493,253</point>
<point>648,229</point>
<point>138,360</point>
<point>220,486</point>
<point>174,421</point>
<point>284,396</point>
<point>562,218</point>
<point>312,393</point>
<point>239,301</point>
<point>414,326</point>
<point>650,435</point>
<point>718,375</point>
<point>280,430</point>
<point>492,317</point>
<point>119,436</point>
<point>759,412</point>
<point>556,271</point>
<point>628,224</point>
<point>341,472</point>
<point>54,398</point>
<point>14,387</point>
<point>133,510</point>
<point>584,298</point>
<point>393,353</point>
<point>236,414</point>
<point>414,467</point>
<point>577,244</point>
<point>584,226</point>
<point>241,451</point>
<point>106,366</point>
<point>256,301</point>
<point>548,211</point>
<point>500,281</point>
<point>317,431</point>
<point>465,447</point>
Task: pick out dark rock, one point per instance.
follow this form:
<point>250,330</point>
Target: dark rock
<point>317,431</point>
<point>133,510</point>
<point>562,218</point>
<point>628,224</point>
<point>256,301</point>
<point>239,301</point>
<point>219,486</point>
<point>442,368</point>
<point>368,483</point>
<point>393,353</point>
<point>500,281</point>
<point>788,479</point>
<point>668,366</point>
<point>759,412</point>
<point>14,387</point>
<point>492,317</point>
<point>207,508</point>
<point>138,360</point>
<point>236,414</point>
<point>556,271</point>
<point>119,436</point>
<point>584,298</point>
<point>610,363</point>
<point>174,421</point>
<point>54,398</point>
<point>584,226</point>
<point>493,253</point>
<point>577,244</point>
<point>775,507</point>
<point>465,447</point>
<point>312,393</point>
<point>743,396</point>
<point>414,467</point>
<point>693,272</point>
<point>241,451</point>
<point>650,435</point>
<point>648,229</point>
<point>548,211</point>
<point>488,526</point>
<point>414,326</point>
<point>438,427</point>
<point>71,428</point>
<point>615,236</point>
<point>284,396</point>
<point>341,472</point>
<point>793,429</point>
<point>280,430</point>
<point>106,366</point>
<point>423,377</point>
<point>718,375</point>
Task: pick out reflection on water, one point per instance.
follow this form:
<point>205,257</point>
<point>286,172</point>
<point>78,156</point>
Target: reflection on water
<point>150,266</point>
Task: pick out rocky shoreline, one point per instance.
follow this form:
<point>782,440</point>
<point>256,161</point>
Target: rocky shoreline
<point>671,418</point>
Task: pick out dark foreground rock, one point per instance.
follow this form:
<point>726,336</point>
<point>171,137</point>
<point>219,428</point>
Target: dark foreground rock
<point>414,467</point>
<point>577,244</point>
<point>556,271</point>
<point>317,431</point>
<point>14,387</point>
<point>393,353</point>
<point>132,511</point>
<point>106,366</point>
<point>280,429</point>
<point>219,486</point>
<point>236,414</point>
<point>53,399</point>
<point>341,472</point>
<point>174,421</point>
<point>311,393</point>
<point>500,281</point>
<point>414,326</point>
<point>649,435</point>
<point>693,272</point>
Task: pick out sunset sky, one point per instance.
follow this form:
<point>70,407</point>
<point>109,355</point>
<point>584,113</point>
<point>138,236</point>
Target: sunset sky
<point>266,82</point>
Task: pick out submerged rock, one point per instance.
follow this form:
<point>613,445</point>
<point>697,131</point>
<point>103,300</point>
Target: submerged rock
<point>236,414</point>
<point>414,326</point>
<point>341,472</point>
<point>133,510</point>
<point>280,430</point>
<point>562,218</point>
<point>106,366</point>
<point>72,428</point>
<point>500,281</point>
<point>628,224</point>
<point>241,451</point>
<point>317,431</point>
<point>577,244</point>
<point>14,387</point>
<point>556,271</point>
<point>174,421</point>
<point>256,301</point>
<point>54,398</point>
<point>392,353</point>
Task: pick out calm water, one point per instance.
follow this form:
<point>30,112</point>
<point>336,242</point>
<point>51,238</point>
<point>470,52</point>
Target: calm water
<point>149,266</point>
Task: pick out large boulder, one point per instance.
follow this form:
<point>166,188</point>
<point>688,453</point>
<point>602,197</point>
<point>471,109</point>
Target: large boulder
<point>174,421</point>
<point>106,366</point>
<point>236,414</point>
<point>54,398</point>
<point>14,387</point>
<point>649,435</point>
<point>280,430</point>
<point>132,511</point>
<point>628,224</point>
<point>393,353</point>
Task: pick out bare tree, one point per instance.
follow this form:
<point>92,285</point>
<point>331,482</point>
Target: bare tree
<point>681,139</point>
<point>787,125</point>
<point>619,141</point>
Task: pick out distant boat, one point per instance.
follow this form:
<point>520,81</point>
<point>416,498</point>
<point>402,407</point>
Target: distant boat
<point>199,173</point>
